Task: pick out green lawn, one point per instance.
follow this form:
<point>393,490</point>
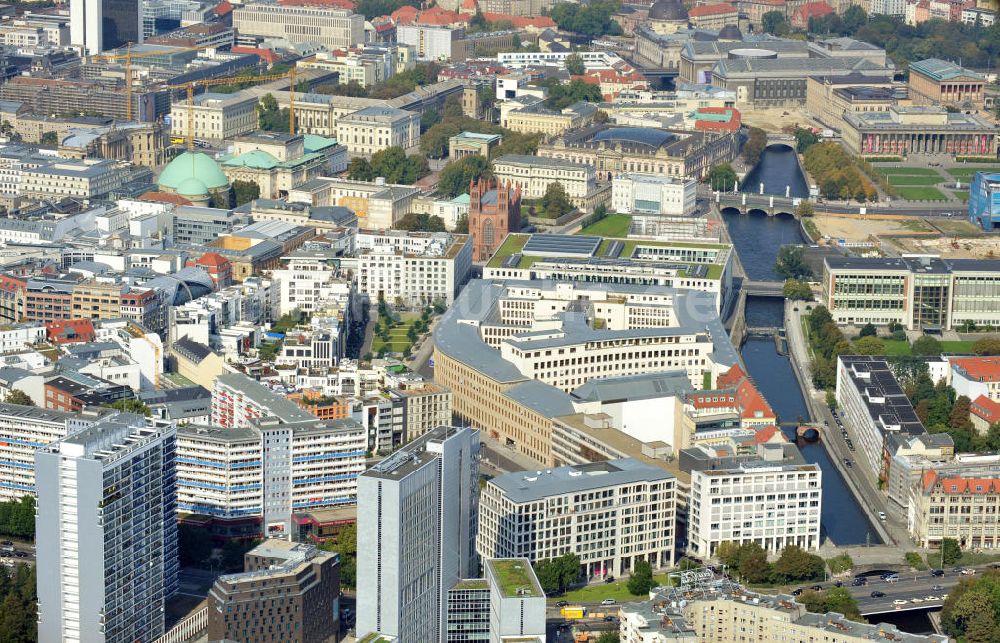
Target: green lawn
<point>613,225</point>
<point>963,196</point>
<point>908,171</point>
<point>897,347</point>
<point>398,341</point>
<point>966,173</point>
<point>957,346</point>
<point>921,194</point>
<point>907,180</point>
<point>617,590</point>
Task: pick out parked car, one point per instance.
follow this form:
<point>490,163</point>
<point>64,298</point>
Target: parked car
<point>877,594</point>
<point>931,598</point>
<point>881,516</point>
<point>899,602</point>
<point>892,578</point>
<point>817,588</point>
<point>938,588</point>
<point>937,572</point>
<point>968,571</point>
<point>608,601</point>
<point>798,591</point>
<point>562,603</point>
<point>609,579</point>
<point>858,582</point>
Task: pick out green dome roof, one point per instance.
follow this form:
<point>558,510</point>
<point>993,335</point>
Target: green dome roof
<point>192,165</point>
<point>191,187</point>
<point>257,159</point>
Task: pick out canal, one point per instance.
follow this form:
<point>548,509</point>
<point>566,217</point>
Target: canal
<point>757,239</point>
<point>778,169</point>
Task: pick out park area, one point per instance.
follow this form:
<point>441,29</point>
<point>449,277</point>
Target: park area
<point>398,341</point>
<point>915,183</point>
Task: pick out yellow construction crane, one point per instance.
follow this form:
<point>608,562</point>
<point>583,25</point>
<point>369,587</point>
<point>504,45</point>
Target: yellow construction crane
<point>208,82</point>
<point>129,55</point>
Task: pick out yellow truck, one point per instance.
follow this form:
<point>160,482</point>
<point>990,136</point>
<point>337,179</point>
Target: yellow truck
<point>573,611</point>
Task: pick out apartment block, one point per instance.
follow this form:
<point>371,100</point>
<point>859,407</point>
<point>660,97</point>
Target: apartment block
<point>420,506</point>
<point>107,531</point>
<point>287,592</point>
<point>611,514</point>
<point>419,268</point>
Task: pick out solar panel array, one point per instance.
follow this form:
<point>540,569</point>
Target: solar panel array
<point>556,244</point>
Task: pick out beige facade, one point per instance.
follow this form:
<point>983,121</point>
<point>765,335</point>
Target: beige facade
<point>960,505</point>
<point>828,99</point>
<point>87,178</point>
<point>94,299</point>
<point>215,116</point>
<point>278,162</point>
<point>334,28</point>
<point>532,116</point>
<point>534,175</point>
<point>426,406</point>
<point>375,128</point>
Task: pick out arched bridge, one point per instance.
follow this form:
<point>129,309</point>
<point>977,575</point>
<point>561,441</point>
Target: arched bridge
<point>764,288</point>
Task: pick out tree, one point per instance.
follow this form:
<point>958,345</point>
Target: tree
<point>805,209</point>
<point>555,202</point>
<point>796,564</point>
<point>130,405</point>
<point>194,545</point>
<point>797,290</point>
<point>952,552</point>
<point>562,95</point>
<point>462,224</point>
<point>395,166</point>
<point>455,177</point>
<point>592,19</point>
<point>429,119</point>
<point>609,637</point>
<point>791,263</point>
<point>754,567</point>
<point>818,318</point>
<point>839,599</point>
<point>755,144</point>
<point>574,65</point>
<point>728,553</point>
<point>50,139</point>
<point>926,345</point>
<point>245,191</point>
<point>774,23</point>
<point>869,345</point>
<point>722,178</point>
<point>986,347</point>
<point>641,581</point>
<point>360,170</point>
<point>854,18</point>
<point>420,222</point>
<point>868,330</point>
<point>804,139</point>
<point>269,117</point>
<point>840,563</point>
<point>17,396</point>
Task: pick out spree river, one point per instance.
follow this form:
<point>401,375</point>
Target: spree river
<point>778,169</point>
<point>757,239</point>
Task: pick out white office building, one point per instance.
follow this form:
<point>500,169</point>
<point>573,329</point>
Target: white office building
<point>99,25</point>
<point>106,536</point>
<point>333,28</point>
<point>310,279</point>
<point>653,194</point>
<point>772,499</point>
<point>418,509</point>
<point>611,514</point>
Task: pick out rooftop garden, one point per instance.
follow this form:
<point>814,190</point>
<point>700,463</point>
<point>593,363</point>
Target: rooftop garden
<point>514,575</point>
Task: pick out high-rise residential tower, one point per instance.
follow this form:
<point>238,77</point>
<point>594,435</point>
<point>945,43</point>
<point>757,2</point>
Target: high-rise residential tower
<point>107,532</point>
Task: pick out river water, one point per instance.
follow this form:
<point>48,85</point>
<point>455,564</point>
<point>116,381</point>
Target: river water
<point>757,239</point>
<point>779,171</point>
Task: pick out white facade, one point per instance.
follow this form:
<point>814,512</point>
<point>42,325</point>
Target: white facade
<point>220,471</point>
<point>23,430</point>
<point>420,505</point>
<point>653,194</point>
<point>431,42</point>
<point>307,281</point>
<point>372,129</point>
<point>417,267</point>
<point>106,536</point>
<point>215,116</point>
<point>773,506</point>
<point>584,510</point>
<point>887,7</point>
<point>333,28</point>
<point>534,174</point>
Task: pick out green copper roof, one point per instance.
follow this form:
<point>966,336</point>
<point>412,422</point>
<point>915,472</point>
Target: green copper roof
<point>313,143</point>
<point>192,165</point>
<point>256,159</point>
<point>191,186</point>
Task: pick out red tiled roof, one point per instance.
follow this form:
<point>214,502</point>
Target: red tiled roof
<point>164,197</point>
<point>70,330</point>
<point>711,10</point>
<point>339,4</point>
<point>751,403</point>
<point>405,14</point>
<point>979,369</point>
<point>223,8</point>
<point>985,408</point>
<point>542,22</point>
<point>970,485</point>
<point>766,433</point>
<point>438,16</point>
<point>267,55</point>
<point>813,10</point>
<point>930,477</point>
<point>11,284</point>
<point>212,259</point>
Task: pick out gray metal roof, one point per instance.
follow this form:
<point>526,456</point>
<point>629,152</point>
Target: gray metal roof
<point>634,387</point>
<point>531,486</point>
<point>541,397</point>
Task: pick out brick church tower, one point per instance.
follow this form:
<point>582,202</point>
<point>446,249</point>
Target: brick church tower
<point>494,211</point>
